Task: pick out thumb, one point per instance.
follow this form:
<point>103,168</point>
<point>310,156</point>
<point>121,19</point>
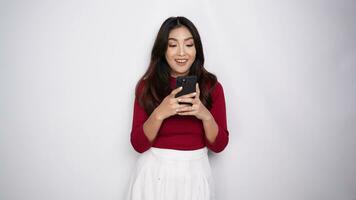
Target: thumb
<point>175,91</point>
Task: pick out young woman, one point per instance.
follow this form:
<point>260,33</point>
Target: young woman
<point>174,136</point>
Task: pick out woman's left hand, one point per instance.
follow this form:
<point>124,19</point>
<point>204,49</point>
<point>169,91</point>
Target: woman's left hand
<point>197,109</point>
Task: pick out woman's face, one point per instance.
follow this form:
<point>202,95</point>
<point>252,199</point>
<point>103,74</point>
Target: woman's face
<point>181,52</point>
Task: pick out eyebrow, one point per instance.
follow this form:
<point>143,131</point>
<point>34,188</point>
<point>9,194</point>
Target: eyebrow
<point>177,40</point>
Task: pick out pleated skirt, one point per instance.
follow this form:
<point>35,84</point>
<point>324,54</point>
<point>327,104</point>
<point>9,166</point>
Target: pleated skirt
<point>167,174</point>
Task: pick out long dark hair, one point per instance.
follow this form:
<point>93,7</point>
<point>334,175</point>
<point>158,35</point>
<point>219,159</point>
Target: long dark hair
<point>154,85</point>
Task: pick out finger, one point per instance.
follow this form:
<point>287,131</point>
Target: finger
<point>185,109</point>
<point>175,91</point>
<point>186,100</point>
<point>190,95</point>
<point>182,106</point>
<point>197,90</point>
<point>187,113</point>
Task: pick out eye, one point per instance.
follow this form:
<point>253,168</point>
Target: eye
<point>190,45</point>
<point>172,45</point>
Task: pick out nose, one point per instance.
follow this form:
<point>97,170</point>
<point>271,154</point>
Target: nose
<point>181,51</point>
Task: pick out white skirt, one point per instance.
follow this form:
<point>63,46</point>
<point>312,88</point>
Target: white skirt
<point>167,174</point>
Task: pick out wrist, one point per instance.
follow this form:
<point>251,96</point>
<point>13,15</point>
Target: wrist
<point>207,117</point>
<point>156,115</point>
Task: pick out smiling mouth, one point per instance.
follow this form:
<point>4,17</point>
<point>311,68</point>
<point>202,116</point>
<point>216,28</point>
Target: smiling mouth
<point>181,61</point>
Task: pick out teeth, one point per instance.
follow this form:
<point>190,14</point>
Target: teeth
<point>182,61</point>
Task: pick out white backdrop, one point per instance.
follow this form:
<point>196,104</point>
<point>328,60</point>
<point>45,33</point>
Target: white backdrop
<point>68,71</point>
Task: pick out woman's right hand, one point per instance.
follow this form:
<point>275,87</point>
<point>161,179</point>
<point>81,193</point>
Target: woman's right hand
<point>169,106</point>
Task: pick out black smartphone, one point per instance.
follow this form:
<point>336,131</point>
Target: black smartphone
<point>188,83</point>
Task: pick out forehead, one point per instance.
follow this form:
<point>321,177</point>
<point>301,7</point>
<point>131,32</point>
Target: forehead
<point>180,33</point>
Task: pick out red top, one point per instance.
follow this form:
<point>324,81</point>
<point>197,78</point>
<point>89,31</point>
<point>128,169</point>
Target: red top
<point>181,132</point>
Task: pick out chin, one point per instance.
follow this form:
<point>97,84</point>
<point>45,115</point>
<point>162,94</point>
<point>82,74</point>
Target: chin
<point>183,73</point>
<point>180,71</point>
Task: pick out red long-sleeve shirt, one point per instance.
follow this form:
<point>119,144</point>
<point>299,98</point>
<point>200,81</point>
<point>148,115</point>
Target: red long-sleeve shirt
<point>181,132</point>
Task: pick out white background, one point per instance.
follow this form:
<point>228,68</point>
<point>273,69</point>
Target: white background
<point>68,71</point>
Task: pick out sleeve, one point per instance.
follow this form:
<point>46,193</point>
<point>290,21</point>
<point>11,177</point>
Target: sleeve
<point>139,141</point>
<point>218,111</point>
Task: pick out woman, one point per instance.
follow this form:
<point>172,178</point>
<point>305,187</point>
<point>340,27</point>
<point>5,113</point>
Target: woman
<point>174,136</point>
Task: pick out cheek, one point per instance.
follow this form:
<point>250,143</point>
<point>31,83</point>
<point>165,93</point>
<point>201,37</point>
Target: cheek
<point>192,52</point>
<point>193,55</point>
<point>169,55</point>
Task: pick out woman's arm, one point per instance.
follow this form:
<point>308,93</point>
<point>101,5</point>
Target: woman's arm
<point>217,130</point>
<point>211,129</point>
<point>139,140</point>
<point>167,108</point>
<point>152,125</point>
<point>145,128</point>
<point>214,121</point>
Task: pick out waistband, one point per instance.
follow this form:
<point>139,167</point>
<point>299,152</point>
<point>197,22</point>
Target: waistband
<point>172,154</point>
